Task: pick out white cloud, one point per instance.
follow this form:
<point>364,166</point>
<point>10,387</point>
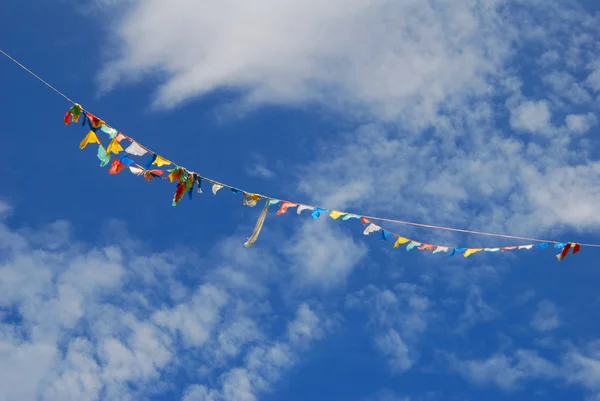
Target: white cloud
<point>580,123</point>
<point>582,366</point>
<point>194,320</point>
<point>593,79</point>
<point>395,350</point>
<point>89,322</point>
<point>394,57</point>
<point>577,366</point>
<point>321,255</point>
<point>546,316</point>
<point>531,116</point>
<point>565,85</point>
<point>506,372</point>
<point>5,209</point>
<point>399,316</point>
<point>306,327</point>
<point>476,309</point>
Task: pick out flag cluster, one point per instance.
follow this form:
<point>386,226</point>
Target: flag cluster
<point>123,151</point>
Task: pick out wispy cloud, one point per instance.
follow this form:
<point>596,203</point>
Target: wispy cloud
<point>86,322</point>
<point>546,316</point>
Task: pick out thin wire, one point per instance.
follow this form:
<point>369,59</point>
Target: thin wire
<point>408,223</point>
<point>36,76</point>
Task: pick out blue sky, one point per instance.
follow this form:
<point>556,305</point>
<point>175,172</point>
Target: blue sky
<point>474,114</point>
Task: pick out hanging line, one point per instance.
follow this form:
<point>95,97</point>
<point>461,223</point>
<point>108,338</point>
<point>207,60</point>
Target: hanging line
<point>408,223</point>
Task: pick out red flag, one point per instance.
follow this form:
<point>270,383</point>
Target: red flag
<point>68,117</point>
<point>564,252</point>
<point>181,190</point>
<point>284,207</point>
<point>116,167</point>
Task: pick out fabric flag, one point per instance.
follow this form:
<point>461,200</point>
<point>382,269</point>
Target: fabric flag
<point>109,130</point>
<point>114,146</point>
<point>179,192</point>
<point>543,245</point>
<point>116,167</point>
<point>509,248</point>
<point>91,137</point>
<point>371,228</point>
<point>199,184</point>
<point>135,149</point>
<point>274,201</point>
<point>350,216</point>
<point>95,122</point>
<point>525,247</point>
<point>76,110</point>
<point>564,252</point>
<point>426,247</point>
<point>560,245</point>
<point>457,250</point>
<point>149,164</point>
<point>175,174</point>
<point>251,199</point>
<point>216,187</point>
<point>136,170</point>
<point>149,174</point>
<point>471,251</point>
<point>576,248</point>
<point>334,214</point>
<point>491,249</point>
<point>384,235</point>
<point>67,118</point>
<point>160,161</point>
<point>258,226</point>
<point>103,156</point>
<point>400,241</point>
<point>285,205</point>
<point>302,208</point>
<point>126,160</point>
<point>412,244</point>
<point>235,190</point>
<point>73,113</point>
<point>120,137</point>
<point>441,249</point>
<point>192,179</point>
<point>317,212</point>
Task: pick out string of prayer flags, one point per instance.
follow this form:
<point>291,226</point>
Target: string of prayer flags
<point>186,180</point>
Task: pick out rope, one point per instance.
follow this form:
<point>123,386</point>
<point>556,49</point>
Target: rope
<point>40,79</point>
<point>407,223</point>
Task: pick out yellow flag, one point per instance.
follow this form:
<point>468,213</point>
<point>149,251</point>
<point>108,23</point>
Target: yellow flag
<point>114,146</point>
<point>471,251</point>
<point>336,215</point>
<point>160,161</point>
<point>174,175</point>
<point>400,241</point>
<point>91,137</point>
